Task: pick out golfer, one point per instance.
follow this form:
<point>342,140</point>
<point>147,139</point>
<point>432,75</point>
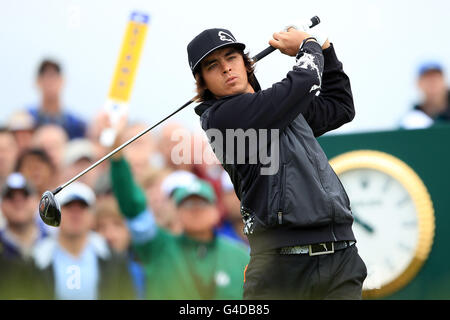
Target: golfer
<point>297,219</point>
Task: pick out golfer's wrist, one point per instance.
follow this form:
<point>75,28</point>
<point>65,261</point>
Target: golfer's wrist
<point>306,40</point>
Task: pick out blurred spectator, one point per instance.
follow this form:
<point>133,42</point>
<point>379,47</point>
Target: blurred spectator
<point>232,225</point>
<point>140,152</point>
<point>80,154</point>
<point>17,279</point>
<point>50,110</point>
<point>169,137</point>
<point>194,265</point>
<point>112,226</point>
<point>78,264</point>
<point>21,124</point>
<point>209,168</point>
<point>8,154</point>
<point>435,105</point>
<point>162,206</point>
<point>102,186</point>
<point>178,178</point>
<point>19,206</point>
<point>53,140</point>
<point>38,169</point>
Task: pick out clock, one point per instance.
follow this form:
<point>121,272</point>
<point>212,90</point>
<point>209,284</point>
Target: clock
<point>393,218</point>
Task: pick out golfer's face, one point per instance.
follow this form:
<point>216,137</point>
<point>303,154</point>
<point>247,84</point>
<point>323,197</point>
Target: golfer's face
<point>224,73</point>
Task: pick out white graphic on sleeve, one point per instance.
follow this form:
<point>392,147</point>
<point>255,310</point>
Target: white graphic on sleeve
<point>306,61</point>
<point>248,220</point>
<point>226,37</point>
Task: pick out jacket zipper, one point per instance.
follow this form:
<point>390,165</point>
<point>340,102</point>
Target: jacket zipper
<point>281,202</point>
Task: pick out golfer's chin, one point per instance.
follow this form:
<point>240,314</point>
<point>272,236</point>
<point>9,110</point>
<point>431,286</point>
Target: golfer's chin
<point>232,90</point>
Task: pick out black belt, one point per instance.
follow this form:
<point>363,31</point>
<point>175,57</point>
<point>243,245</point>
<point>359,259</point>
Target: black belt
<point>317,248</point>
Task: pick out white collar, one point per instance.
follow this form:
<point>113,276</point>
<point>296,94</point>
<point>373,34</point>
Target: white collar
<point>44,250</point>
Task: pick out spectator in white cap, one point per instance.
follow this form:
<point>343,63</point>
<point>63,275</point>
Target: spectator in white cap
<point>19,206</point>
<point>21,125</point>
<point>177,179</point>
<point>8,154</point>
<point>78,263</point>
<point>80,154</point>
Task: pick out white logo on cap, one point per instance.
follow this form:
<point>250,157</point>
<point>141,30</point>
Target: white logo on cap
<point>195,187</point>
<point>226,37</point>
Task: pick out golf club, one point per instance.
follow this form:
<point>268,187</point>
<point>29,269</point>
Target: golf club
<point>49,208</point>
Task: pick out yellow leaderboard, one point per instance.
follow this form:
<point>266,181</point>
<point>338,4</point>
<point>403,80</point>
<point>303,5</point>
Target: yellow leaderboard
<point>130,53</point>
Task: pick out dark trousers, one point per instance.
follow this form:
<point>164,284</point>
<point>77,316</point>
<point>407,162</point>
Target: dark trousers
<point>339,275</point>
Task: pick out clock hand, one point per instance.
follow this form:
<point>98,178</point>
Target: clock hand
<point>363,224</point>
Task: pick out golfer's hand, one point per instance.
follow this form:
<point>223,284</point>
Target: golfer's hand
<point>288,42</point>
<point>319,32</point>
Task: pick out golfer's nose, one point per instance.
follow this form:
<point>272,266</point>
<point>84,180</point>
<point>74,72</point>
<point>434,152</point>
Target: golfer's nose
<point>226,67</point>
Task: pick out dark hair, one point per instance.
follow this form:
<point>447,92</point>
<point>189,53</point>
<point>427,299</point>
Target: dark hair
<point>48,64</point>
<point>204,94</point>
<point>40,153</point>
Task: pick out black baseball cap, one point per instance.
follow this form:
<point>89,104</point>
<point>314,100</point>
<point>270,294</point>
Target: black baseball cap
<point>208,41</point>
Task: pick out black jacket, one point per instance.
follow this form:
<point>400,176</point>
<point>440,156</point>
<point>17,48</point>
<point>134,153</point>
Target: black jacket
<point>304,202</point>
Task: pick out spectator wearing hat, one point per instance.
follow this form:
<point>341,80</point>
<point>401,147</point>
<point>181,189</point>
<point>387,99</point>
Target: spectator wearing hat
<point>21,125</point>
<point>196,264</point>
<point>8,154</point>
<point>50,109</point>
<point>19,206</point>
<point>434,108</point>
<point>80,154</point>
<point>78,263</point>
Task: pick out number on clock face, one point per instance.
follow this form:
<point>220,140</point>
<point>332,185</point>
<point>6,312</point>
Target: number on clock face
<point>386,223</point>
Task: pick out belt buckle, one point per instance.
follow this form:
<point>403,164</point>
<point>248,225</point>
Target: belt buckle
<point>318,253</point>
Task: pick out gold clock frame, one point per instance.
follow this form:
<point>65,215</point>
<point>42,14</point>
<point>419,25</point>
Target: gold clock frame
<point>408,178</point>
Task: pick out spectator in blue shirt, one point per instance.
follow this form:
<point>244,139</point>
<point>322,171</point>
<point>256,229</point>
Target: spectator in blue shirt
<point>78,263</point>
<point>50,110</point>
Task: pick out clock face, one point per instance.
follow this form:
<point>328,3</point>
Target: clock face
<point>393,217</point>
<point>385,224</point>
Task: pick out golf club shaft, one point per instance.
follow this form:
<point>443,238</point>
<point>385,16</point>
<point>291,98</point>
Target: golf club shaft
<point>314,21</point>
<point>120,148</point>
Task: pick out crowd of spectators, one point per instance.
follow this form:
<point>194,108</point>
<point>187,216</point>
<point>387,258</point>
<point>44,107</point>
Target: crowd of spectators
<point>139,226</point>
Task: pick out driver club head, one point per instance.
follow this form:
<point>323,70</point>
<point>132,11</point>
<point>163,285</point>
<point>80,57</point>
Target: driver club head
<point>49,209</point>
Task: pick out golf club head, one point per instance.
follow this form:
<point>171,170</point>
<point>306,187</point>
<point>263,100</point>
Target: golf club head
<point>49,209</point>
